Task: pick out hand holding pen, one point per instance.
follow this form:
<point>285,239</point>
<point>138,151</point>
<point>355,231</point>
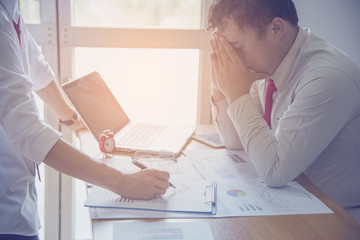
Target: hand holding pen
<point>142,166</point>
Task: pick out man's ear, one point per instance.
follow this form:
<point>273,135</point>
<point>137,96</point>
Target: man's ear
<point>278,27</point>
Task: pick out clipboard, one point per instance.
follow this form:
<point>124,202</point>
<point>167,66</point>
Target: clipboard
<point>210,139</point>
<point>188,197</point>
<point>211,196</point>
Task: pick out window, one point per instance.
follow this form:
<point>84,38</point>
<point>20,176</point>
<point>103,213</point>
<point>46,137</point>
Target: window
<point>30,11</point>
<point>151,42</point>
<point>154,85</point>
<point>172,14</point>
<point>153,54</point>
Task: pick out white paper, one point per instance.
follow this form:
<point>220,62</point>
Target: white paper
<point>187,197</point>
<point>258,199</point>
<point>240,191</point>
<point>223,165</point>
<point>161,230</point>
<point>240,199</point>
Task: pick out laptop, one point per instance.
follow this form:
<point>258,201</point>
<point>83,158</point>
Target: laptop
<point>100,111</point>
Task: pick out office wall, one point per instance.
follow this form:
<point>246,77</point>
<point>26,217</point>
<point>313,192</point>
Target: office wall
<point>338,21</point>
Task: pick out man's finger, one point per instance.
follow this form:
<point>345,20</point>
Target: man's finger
<point>215,46</point>
<point>214,62</point>
<point>212,44</point>
<point>223,54</point>
<point>230,51</point>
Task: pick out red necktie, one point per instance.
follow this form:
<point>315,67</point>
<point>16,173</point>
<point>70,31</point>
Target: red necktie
<point>270,89</point>
<point>17,29</point>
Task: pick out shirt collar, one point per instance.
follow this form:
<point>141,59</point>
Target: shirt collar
<point>281,74</point>
<point>13,8</point>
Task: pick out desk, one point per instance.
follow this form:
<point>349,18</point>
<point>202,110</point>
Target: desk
<point>339,225</point>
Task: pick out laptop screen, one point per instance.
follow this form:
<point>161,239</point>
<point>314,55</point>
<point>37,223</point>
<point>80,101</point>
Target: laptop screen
<point>95,103</point>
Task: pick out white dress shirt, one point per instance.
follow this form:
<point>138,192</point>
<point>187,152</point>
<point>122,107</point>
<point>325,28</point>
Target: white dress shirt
<point>315,122</point>
<point>24,138</point>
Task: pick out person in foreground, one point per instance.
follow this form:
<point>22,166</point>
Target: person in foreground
<point>303,115</point>
<point>26,141</point>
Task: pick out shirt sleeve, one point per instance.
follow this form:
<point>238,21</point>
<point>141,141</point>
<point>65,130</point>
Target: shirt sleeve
<point>40,71</point>
<point>321,107</point>
<point>19,115</point>
<point>224,125</point>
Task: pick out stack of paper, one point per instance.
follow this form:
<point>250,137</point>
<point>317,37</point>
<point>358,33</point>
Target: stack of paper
<point>239,192</point>
<point>188,197</point>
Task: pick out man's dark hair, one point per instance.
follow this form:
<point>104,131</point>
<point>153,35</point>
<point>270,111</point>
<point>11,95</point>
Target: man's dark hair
<point>255,14</point>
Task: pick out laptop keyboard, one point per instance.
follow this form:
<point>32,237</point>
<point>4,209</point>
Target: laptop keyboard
<point>140,135</point>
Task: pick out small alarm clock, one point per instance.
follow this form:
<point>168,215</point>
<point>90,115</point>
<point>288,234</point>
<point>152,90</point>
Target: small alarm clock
<point>107,142</point>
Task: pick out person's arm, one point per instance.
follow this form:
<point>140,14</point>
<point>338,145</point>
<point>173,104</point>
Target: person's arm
<point>321,107</point>
<point>45,86</point>
<point>227,74</point>
<point>35,141</point>
<point>53,97</point>
<point>223,123</point>
<point>308,126</point>
<point>145,184</point>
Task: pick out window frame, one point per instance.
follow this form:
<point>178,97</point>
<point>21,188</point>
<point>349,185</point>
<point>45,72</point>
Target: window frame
<point>73,36</point>
<point>58,40</point>
<point>46,35</point>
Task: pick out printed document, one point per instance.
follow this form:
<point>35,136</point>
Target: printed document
<point>223,165</point>
<point>188,196</point>
<point>240,190</point>
<point>175,230</point>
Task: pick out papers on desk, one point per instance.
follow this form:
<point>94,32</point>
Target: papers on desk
<point>240,191</point>
<point>258,199</point>
<point>223,165</point>
<point>179,230</point>
<point>190,197</point>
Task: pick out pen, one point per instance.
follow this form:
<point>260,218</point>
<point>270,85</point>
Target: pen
<point>142,166</point>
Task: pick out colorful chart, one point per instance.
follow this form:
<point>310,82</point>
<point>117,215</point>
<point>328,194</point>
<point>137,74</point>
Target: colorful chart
<point>236,193</point>
<point>225,173</point>
<point>249,207</point>
<point>236,158</point>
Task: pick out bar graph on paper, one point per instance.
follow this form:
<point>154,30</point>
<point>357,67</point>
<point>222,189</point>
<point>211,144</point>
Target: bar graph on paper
<point>241,201</point>
<point>252,199</point>
<point>250,207</point>
<point>274,200</point>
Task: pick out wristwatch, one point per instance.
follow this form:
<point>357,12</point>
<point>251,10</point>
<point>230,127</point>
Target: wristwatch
<point>71,121</point>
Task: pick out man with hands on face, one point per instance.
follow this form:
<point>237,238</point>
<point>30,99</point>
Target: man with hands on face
<point>313,124</point>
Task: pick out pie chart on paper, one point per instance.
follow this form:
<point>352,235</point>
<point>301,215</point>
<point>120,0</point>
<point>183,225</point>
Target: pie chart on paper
<point>236,193</point>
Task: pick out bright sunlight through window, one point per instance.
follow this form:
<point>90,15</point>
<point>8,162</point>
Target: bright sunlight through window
<point>152,85</point>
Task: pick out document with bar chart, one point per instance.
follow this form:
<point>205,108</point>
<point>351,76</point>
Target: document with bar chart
<point>241,192</point>
<point>188,197</point>
<point>223,165</point>
<point>258,199</point>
